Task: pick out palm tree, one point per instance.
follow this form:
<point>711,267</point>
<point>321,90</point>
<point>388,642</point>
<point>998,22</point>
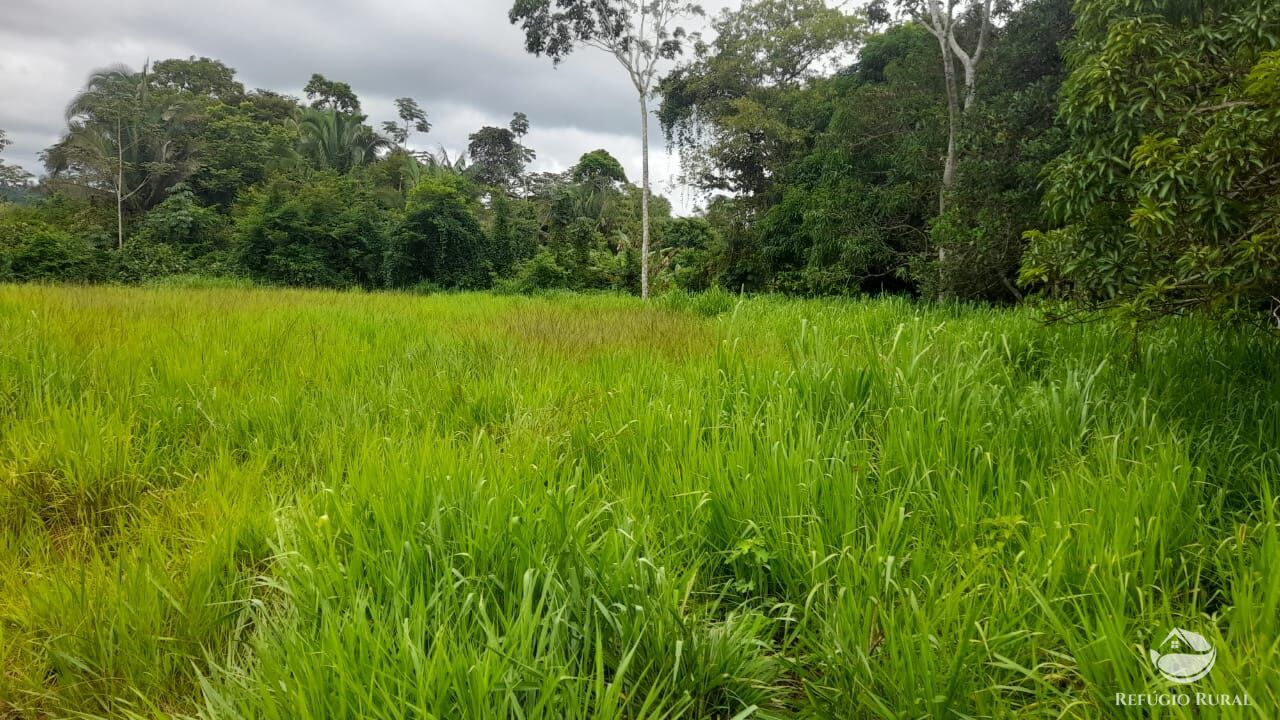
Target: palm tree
<point>440,160</point>
<point>333,140</point>
<point>121,141</point>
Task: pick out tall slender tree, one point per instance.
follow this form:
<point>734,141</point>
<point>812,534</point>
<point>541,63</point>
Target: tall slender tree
<point>942,19</point>
<point>412,118</point>
<point>639,34</point>
<point>520,127</point>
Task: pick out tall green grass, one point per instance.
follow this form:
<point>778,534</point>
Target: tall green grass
<point>238,503</point>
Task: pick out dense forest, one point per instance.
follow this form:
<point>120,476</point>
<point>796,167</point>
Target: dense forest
<point>1103,153</point>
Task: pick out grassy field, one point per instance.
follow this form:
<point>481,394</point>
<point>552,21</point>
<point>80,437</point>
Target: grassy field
<point>287,504</point>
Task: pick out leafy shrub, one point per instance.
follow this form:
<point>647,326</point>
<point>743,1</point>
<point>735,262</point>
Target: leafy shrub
<point>183,223</point>
<point>31,250</point>
<point>439,240</point>
<point>540,272</point>
<point>1166,198</point>
<point>142,262</point>
<point>324,231</point>
<point>218,264</point>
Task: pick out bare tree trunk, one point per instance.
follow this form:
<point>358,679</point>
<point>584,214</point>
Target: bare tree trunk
<point>953,125</point>
<point>119,188</point>
<point>644,196</point>
<point>970,62</point>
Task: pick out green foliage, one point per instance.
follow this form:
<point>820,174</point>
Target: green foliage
<point>688,248</point>
<point>11,176</point>
<point>540,272</point>
<point>265,503</point>
<point>331,96</point>
<point>638,30</point>
<point>125,141</point>
<point>178,236</point>
<point>337,141</point>
<point>144,261</point>
<point>238,148</point>
<point>851,212</point>
<point>411,117</point>
<point>256,185</point>
<point>1159,176</point>
<point>32,250</point>
<point>837,178</point>
<point>323,231</point>
<point>497,157</point>
<point>1167,197</point>
<point>180,221</point>
<point>513,231</point>
<point>439,240</point>
<point>1008,138</point>
<point>198,76</point>
<point>598,167</point>
<point>737,112</point>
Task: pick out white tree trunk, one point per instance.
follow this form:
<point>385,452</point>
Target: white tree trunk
<point>644,196</point>
<point>953,126</point>
<point>119,188</point>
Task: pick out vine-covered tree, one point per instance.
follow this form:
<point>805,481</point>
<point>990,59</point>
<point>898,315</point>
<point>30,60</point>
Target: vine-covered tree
<point>440,241</point>
<point>322,231</point>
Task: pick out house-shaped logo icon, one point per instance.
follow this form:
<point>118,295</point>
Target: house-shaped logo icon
<point>1183,656</point>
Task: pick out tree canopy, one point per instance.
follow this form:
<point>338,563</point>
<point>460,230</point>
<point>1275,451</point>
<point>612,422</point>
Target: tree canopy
<point>1088,155</point>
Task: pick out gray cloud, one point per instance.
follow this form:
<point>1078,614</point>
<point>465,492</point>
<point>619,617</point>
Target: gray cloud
<point>460,59</point>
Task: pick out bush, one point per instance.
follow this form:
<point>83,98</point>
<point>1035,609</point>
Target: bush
<point>34,251</point>
<point>540,272</point>
<point>142,262</point>
<point>185,224</point>
<point>1168,196</point>
<point>324,231</point>
<point>439,240</point>
<point>218,264</point>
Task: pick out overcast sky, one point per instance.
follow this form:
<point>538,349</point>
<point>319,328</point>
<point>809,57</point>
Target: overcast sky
<point>461,59</point>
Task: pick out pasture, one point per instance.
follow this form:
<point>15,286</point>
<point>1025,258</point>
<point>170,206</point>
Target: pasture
<point>247,503</point>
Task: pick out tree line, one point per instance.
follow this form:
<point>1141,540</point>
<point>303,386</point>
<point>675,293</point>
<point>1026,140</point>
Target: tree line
<point>1093,154</point>
<point>177,168</point>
